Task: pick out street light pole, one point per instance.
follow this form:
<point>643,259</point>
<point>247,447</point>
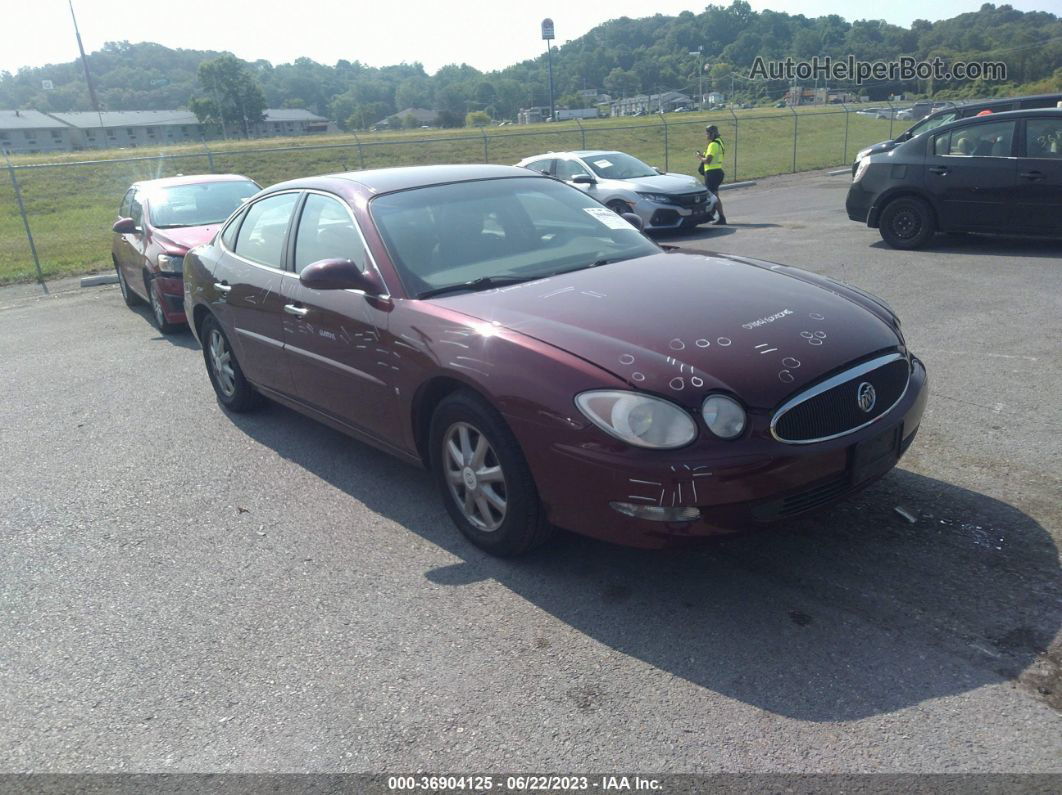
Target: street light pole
<point>700,74</point>
<point>547,36</point>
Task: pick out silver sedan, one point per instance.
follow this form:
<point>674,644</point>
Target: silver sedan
<point>627,185</point>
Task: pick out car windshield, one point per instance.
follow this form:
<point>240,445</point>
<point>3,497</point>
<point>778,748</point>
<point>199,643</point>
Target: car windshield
<point>931,123</point>
<point>199,204</point>
<point>617,165</point>
<point>472,235</point>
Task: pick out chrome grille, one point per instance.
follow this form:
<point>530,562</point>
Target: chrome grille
<point>832,408</point>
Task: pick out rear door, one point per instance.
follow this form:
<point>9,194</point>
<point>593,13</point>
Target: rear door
<point>971,174</point>
<point>251,277</point>
<point>337,343</point>
<point>1038,196</point>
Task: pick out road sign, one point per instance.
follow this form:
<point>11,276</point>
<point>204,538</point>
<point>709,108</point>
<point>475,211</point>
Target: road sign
<point>547,29</point>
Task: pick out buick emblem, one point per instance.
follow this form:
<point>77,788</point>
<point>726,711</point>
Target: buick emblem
<point>866,396</point>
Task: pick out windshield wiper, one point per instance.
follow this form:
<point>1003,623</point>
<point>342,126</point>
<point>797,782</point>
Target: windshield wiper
<point>482,283</point>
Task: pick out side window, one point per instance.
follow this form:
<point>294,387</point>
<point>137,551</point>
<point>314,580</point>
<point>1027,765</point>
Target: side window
<point>136,210</point>
<point>261,235</point>
<point>326,231</point>
<point>127,202</point>
<point>541,166</point>
<point>979,140</point>
<point>566,169</point>
<point>228,234</point>
<point>1043,138</point>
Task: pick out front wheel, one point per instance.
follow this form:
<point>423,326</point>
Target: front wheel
<point>130,298</point>
<point>483,477</point>
<point>163,325</point>
<point>618,207</point>
<point>906,223</point>
<point>233,390</point>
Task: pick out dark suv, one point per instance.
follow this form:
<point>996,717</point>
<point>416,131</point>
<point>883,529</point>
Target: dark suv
<point>1000,173</point>
<point>955,112</point>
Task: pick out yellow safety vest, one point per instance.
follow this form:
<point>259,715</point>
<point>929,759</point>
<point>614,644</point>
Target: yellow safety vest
<point>715,149</point>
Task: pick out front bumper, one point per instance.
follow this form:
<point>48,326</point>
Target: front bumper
<point>659,217</point>
<point>732,491</point>
<point>859,203</point>
<point>171,291</point>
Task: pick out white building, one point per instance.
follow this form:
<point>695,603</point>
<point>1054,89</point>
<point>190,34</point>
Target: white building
<point>30,132</point>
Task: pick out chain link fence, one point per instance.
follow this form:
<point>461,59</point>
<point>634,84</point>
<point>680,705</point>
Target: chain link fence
<point>56,214</point>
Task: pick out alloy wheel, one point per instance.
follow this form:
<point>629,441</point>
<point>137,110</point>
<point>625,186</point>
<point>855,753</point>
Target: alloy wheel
<point>221,363</point>
<point>156,307</point>
<point>474,476</point>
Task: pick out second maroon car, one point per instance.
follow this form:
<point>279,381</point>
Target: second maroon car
<point>158,221</point>
<point>550,364</point>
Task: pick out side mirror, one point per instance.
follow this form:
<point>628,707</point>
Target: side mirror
<point>340,274</point>
<point>125,226</point>
<point>633,220</point>
<point>583,179</point>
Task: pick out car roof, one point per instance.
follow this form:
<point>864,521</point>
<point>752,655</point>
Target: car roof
<point>189,179</point>
<point>387,180</point>
<point>992,103</point>
<point>1004,115</point>
<point>573,153</point>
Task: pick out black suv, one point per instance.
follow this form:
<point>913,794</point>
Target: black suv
<point>1000,173</point>
<point>955,112</point>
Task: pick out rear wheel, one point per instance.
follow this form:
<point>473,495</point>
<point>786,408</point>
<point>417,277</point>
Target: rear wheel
<point>233,390</point>
<point>906,223</point>
<point>483,477</point>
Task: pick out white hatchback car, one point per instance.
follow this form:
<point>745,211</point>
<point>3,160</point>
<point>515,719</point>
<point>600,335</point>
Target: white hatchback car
<point>624,183</point>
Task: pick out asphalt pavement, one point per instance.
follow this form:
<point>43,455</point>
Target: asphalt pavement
<point>185,590</point>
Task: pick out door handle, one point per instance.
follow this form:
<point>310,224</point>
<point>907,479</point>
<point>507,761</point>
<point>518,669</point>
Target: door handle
<point>942,170</point>
<point>222,287</point>
<point>1033,175</point>
<point>298,311</point>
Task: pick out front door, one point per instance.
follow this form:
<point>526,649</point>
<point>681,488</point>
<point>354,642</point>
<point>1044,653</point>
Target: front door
<point>337,343</point>
<point>971,173</point>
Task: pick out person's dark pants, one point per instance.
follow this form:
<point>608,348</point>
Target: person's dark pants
<point>713,178</point>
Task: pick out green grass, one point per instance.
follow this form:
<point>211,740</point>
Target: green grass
<point>71,207</point>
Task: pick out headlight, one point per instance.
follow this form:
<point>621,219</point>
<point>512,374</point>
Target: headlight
<point>723,416</point>
<point>638,419</point>
<point>661,198</point>
<point>861,169</point>
<point>170,264</point>
<point>862,153</point>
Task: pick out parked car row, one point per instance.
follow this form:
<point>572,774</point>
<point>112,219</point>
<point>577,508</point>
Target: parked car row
<point>549,363</point>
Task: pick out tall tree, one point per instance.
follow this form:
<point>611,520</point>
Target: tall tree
<point>230,94</point>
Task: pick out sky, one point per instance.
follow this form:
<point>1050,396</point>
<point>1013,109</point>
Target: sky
<point>486,34</point>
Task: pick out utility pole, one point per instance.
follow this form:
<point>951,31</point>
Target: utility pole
<point>84,62</point>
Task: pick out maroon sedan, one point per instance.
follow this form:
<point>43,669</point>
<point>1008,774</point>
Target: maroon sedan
<point>158,221</point>
<point>548,363</point>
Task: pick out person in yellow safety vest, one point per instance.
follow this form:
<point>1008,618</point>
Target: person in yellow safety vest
<point>712,167</point>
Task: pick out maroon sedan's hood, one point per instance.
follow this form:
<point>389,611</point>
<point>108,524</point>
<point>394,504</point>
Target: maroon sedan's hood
<point>682,324</point>
<point>185,237</point>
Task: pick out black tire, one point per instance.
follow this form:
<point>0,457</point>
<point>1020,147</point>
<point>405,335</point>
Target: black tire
<point>130,298</point>
<point>242,396</point>
<point>906,223</point>
<point>618,207</point>
<point>522,526</point>
<point>155,302</point>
